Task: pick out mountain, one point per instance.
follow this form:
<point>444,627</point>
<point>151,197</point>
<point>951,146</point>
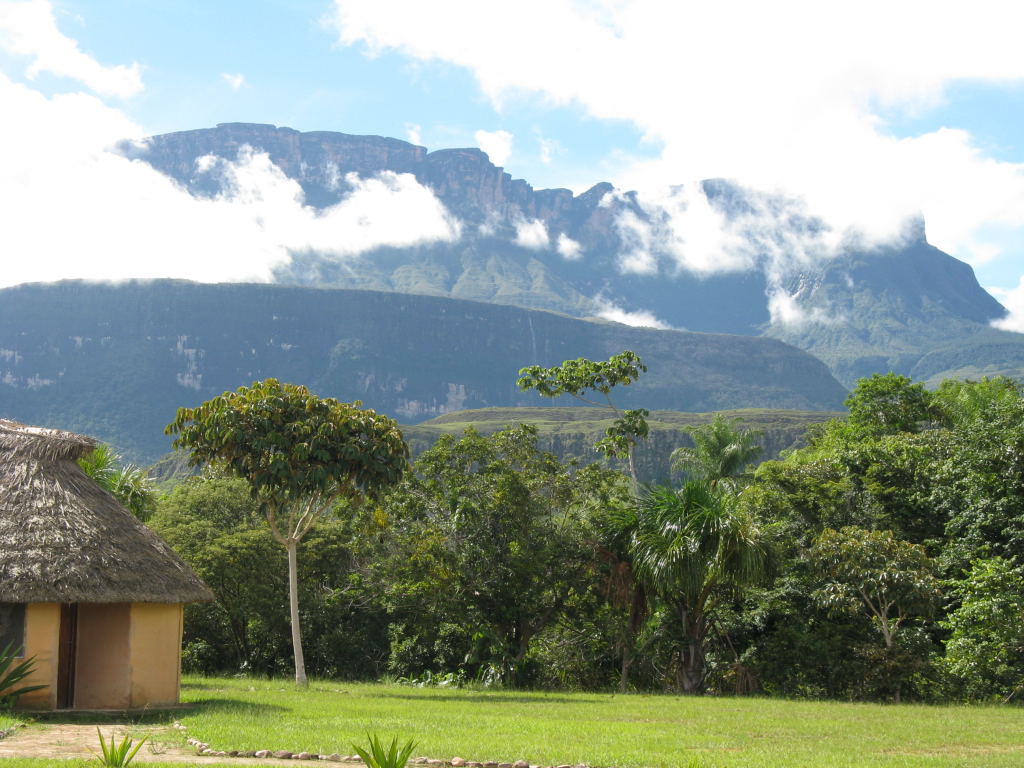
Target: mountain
<point>908,307</point>
<point>116,360</point>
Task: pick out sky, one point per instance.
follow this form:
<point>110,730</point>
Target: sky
<point>867,113</point>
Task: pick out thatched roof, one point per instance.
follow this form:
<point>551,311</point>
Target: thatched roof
<point>65,539</point>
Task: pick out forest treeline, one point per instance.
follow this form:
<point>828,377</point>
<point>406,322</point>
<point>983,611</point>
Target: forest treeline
<point>880,562</point>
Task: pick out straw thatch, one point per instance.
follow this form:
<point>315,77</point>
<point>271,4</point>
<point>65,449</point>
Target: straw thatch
<point>64,539</point>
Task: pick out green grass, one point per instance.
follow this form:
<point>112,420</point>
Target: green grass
<point>40,762</point>
<point>6,721</point>
<point>631,731</point>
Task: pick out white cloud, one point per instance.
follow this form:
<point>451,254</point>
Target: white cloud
<point>532,234</point>
<point>235,81</point>
<point>75,209</point>
<point>548,149</point>
<point>641,319</point>
<point>1013,300</point>
<point>497,145</point>
<point>29,29</point>
<point>568,248</point>
<point>414,133</point>
<point>784,96</point>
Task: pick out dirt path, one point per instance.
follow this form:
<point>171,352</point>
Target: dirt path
<point>60,741</point>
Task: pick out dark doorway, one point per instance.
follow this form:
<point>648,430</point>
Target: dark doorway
<point>66,657</point>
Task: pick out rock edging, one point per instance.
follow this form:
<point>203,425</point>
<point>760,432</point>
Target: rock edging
<point>202,748</point>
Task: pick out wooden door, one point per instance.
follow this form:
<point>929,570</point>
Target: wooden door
<point>67,655</point>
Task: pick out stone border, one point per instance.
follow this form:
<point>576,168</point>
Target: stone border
<point>9,731</point>
<point>202,748</point>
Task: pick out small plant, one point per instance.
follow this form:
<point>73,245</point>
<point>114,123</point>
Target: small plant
<point>11,674</point>
<point>116,755</point>
<point>376,756</point>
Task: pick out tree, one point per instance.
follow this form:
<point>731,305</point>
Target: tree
<point>874,571</point>
<point>493,524</point>
<point>889,404</point>
<point>985,649</point>
<point>128,483</point>
<point>721,452</point>
<point>693,547</point>
<point>581,377</point>
<point>299,453</point>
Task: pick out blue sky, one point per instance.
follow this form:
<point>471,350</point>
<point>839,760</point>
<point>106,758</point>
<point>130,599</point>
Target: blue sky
<point>868,113</point>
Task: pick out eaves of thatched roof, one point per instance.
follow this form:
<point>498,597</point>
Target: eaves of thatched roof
<point>65,539</point>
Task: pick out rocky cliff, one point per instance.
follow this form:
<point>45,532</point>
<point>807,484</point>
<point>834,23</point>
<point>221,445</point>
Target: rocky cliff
<point>116,361</point>
<point>909,308</point>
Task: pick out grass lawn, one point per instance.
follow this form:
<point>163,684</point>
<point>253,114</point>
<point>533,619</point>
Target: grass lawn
<point>631,731</point>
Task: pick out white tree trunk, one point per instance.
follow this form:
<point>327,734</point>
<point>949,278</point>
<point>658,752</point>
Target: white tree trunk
<point>293,600</point>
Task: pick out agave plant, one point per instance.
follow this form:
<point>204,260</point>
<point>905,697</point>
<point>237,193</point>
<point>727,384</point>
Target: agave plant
<point>13,672</point>
<point>116,755</point>
<point>379,756</point>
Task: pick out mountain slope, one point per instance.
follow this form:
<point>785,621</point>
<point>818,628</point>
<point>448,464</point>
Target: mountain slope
<point>909,308</point>
<point>116,361</point>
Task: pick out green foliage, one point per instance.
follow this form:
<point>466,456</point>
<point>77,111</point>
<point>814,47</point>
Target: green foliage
<point>128,483</point>
<point>960,403</point>
<point>890,579</point>
<point>693,547</point>
<point>289,444</point>
<point>376,755</point>
<point>874,571</point>
<point>491,527</point>
<point>300,455</point>
<point>216,526</point>
<point>12,672</point>
<point>721,452</point>
<point>985,649</point>
<point>117,755</point>
<point>886,404</point>
<point>582,377</point>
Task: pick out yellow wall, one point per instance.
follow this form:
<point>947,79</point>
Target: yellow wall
<point>42,638</point>
<point>155,653</point>
<point>129,655</point>
<point>103,669</point>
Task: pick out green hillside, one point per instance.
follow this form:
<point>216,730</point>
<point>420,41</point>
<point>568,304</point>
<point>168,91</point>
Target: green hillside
<point>117,361</point>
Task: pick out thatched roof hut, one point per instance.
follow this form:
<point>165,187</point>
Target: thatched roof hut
<point>77,570</point>
<point>64,539</point>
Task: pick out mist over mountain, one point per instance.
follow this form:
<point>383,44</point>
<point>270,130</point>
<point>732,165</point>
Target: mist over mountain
<point>117,361</point>
<point>716,258</point>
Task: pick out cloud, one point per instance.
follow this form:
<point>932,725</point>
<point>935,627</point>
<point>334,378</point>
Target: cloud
<point>640,319</point>
<point>568,248</point>
<point>789,96</point>
<point>235,81</point>
<point>414,133</point>
<point>29,29</point>
<point>73,208</point>
<point>1013,300</point>
<point>497,145</point>
<point>532,234</point>
<point>548,149</point>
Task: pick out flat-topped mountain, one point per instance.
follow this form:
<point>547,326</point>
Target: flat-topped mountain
<point>907,307</point>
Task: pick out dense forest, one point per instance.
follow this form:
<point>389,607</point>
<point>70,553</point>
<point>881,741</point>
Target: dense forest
<point>882,561</point>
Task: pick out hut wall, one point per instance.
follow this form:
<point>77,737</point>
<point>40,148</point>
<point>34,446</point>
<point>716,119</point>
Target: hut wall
<point>42,639</point>
<point>155,653</point>
<point>103,671</point>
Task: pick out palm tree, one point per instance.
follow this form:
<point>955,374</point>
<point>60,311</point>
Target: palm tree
<point>693,547</point>
<point>128,483</point>
<point>720,453</point>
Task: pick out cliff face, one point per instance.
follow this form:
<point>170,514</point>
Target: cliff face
<point>116,361</point>
<point>909,308</point>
